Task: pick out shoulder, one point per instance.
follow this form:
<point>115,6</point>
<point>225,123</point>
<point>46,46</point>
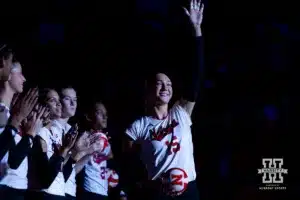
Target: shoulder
<point>178,109</point>
<point>179,112</point>
<point>140,123</point>
<point>44,133</point>
<point>136,129</point>
<point>68,127</point>
<point>4,111</point>
<point>3,107</point>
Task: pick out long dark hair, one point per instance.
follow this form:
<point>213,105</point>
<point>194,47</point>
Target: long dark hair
<point>43,95</point>
<point>64,87</point>
<point>5,51</point>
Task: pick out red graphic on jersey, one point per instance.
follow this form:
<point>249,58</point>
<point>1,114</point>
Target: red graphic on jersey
<point>113,178</point>
<point>175,145</point>
<point>105,142</point>
<point>98,157</point>
<point>178,181</point>
<point>162,132</point>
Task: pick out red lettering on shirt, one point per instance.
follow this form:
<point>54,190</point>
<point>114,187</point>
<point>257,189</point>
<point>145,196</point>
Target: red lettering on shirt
<point>176,179</point>
<point>175,145</point>
<point>161,132</point>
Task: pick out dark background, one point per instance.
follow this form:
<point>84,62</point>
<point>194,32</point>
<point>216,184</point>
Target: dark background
<point>105,49</point>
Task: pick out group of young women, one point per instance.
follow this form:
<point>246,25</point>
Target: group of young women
<point>42,155</point>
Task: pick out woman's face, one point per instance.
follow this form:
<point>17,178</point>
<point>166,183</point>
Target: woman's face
<point>69,102</point>
<point>162,91</point>
<point>100,116</point>
<point>54,105</point>
<point>16,79</point>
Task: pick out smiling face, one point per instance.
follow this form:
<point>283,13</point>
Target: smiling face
<point>161,90</point>
<point>53,103</point>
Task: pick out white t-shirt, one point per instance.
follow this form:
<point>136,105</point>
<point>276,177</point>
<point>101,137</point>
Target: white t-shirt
<point>54,136</point>
<point>14,178</point>
<point>166,144</point>
<point>95,179</point>
<point>70,185</point>
<point>4,112</point>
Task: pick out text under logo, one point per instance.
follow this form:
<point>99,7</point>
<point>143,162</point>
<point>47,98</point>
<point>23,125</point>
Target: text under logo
<point>272,173</point>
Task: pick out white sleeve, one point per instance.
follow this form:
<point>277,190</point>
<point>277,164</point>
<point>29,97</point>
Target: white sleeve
<point>2,129</point>
<point>4,115</point>
<point>181,113</point>
<point>14,133</point>
<point>43,133</point>
<point>134,130</point>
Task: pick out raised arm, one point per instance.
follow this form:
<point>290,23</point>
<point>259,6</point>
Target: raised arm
<point>195,14</point>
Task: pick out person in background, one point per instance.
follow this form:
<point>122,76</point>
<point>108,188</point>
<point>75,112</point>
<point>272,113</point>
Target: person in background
<point>14,183</point>
<point>54,149</point>
<point>85,145</point>
<point>68,97</point>
<point>16,140</point>
<point>9,129</point>
<point>164,133</point>
<point>9,87</point>
<point>93,166</point>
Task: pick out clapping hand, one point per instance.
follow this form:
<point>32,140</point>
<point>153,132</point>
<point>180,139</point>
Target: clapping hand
<point>34,122</point>
<point>70,137</point>
<point>68,142</point>
<point>85,141</point>
<point>87,144</point>
<point>24,106</point>
<point>97,146</point>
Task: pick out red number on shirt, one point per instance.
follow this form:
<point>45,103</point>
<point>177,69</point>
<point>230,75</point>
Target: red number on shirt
<point>102,172</point>
<point>175,145</point>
